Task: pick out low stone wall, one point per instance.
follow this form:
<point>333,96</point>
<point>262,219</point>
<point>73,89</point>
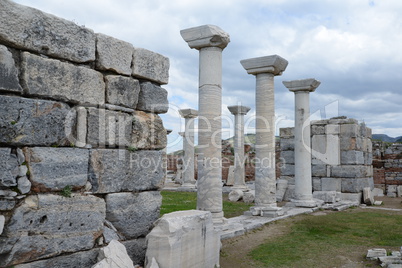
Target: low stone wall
<point>80,141</point>
<point>341,156</point>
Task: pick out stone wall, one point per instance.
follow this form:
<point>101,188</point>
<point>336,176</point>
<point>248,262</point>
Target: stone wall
<point>387,163</point>
<point>341,156</point>
<point>80,141</point>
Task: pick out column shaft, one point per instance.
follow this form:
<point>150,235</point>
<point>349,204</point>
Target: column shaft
<point>188,147</point>
<point>303,181</point>
<point>265,179</point>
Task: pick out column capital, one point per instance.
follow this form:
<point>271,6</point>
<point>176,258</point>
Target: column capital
<point>309,85</point>
<point>205,36</point>
<point>268,64</point>
<point>188,113</point>
<point>238,109</point>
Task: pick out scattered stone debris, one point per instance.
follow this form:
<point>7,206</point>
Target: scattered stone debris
<point>114,255</point>
<point>389,261</point>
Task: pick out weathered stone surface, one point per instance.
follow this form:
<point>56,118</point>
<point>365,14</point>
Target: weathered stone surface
<point>133,213</point>
<point>317,130</point>
<point>75,260</point>
<point>108,128</point>
<point>377,192</point>
<point>331,184</point>
<point>287,144</point>
<point>7,204</point>
<point>354,197</point>
<point>55,225</point>
<point>288,170</point>
<point>332,129</point>
<point>281,186</point>
<point>350,171</point>
<point>356,185</point>
<point>231,176</point>
<point>317,184</point>
<point>114,255</point>
<point>24,185</point>
<point>235,195</point>
<point>34,122</point>
<point>184,239</point>
<point>151,66</point>
<point>373,254</point>
<point>319,170</point>
<point>121,90</point>
<point>399,191</point>
<point>290,193</point>
<point>9,169</point>
<point>148,132</point>
<point>248,197</point>
<point>326,148</point>
<point>113,54</point>
<point>28,28</point>
<point>120,170</point>
<point>81,127</point>
<point>352,158</point>
<point>288,157</point>
<point>152,98</point>
<point>136,250</point>
<point>326,196</point>
<point>368,198</point>
<point>8,71</point>
<point>287,132</point>
<point>2,221</point>
<point>52,169</point>
<point>61,81</point>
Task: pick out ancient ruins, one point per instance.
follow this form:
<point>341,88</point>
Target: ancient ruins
<point>83,159</point>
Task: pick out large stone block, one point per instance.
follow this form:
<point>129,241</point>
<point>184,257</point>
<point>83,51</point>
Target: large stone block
<point>331,184</point>
<point>61,81</point>
<point>356,185</point>
<point>113,54</point>
<point>114,255</point>
<point>288,170</point>
<point>122,91</point>
<point>326,148</point>
<point>79,259</point>
<point>136,249</point>
<point>317,130</point>
<point>45,226</point>
<point>148,132</point>
<point>52,169</point>
<point>133,213</point>
<point>288,157</point>
<point>319,170</point>
<point>351,143</point>
<point>352,157</point>
<point>350,130</point>
<point>108,128</point>
<point>287,144</point>
<point>150,66</point>
<point>326,196</point>
<point>34,122</point>
<point>8,71</point>
<point>9,168</point>
<point>287,132</point>
<point>31,29</point>
<point>113,170</point>
<point>184,239</point>
<point>152,98</point>
<point>351,171</point>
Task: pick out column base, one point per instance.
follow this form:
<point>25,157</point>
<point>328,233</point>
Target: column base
<point>218,219</point>
<point>270,212</point>
<point>308,203</point>
<point>243,188</point>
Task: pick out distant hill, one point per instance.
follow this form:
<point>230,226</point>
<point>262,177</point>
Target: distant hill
<point>386,138</point>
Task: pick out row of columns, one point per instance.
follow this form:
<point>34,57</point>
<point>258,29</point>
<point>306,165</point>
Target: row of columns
<point>210,40</point>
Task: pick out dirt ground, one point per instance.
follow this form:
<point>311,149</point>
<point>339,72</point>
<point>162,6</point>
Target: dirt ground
<point>235,251</point>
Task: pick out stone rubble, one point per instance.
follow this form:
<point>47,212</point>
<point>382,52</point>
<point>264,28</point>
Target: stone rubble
<point>114,256</point>
<point>394,260</point>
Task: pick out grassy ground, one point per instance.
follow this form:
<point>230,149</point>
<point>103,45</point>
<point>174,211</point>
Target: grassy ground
<point>321,239</point>
<point>175,201</point>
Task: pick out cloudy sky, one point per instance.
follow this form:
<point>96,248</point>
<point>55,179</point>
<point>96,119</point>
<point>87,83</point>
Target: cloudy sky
<point>353,47</point>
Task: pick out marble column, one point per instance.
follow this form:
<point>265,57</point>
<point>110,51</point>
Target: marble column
<point>303,179</point>
<point>265,69</point>
<point>210,40</point>
<point>239,173</point>
<point>188,147</point>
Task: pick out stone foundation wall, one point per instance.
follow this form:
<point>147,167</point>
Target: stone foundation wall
<point>387,163</point>
<point>80,141</point>
<point>341,156</point>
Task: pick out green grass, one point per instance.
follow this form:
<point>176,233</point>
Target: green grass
<point>175,201</point>
<point>318,238</point>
